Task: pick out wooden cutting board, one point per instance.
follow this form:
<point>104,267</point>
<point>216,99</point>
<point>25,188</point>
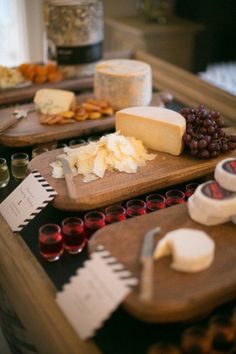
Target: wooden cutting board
<point>29,131</point>
<point>165,170</point>
<point>177,296</point>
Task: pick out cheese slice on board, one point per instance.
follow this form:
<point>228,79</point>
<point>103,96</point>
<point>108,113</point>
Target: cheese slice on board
<point>158,128</point>
<point>225,174</point>
<point>192,250</point>
<point>123,82</point>
<point>52,101</point>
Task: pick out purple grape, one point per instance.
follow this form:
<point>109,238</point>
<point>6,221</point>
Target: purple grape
<point>204,154</point>
<point>193,144</point>
<point>224,147</point>
<point>202,143</point>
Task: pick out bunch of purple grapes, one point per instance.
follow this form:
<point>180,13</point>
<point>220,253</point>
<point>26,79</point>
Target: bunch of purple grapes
<point>204,134</point>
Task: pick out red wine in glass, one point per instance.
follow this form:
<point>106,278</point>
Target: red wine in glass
<point>73,234</point>
<point>115,213</point>
<point>50,242</point>
<point>94,220</point>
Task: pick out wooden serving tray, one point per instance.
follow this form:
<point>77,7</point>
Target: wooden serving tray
<point>29,131</point>
<point>177,296</point>
<point>165,170</point>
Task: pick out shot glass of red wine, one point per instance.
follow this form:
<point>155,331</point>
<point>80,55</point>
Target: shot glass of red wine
<point>155,202</point>
<point>73,234</point>
<point>174,197</point>
<point>115,213</point>
<point>135,207</point>
<point>190,189</point>
<point>94,220</point>
<point>50,242</point>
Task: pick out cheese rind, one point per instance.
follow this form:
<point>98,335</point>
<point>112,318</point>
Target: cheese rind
<point>52,101</point>
<point>225,174</point>
<point>158,128</point>
<point>192,250</point>
<point>123,83</point>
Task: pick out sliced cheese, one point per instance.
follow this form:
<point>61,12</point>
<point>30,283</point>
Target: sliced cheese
<point>52,101</point>
<point>225,174</point>
<point>192,250</point>
<point>123,83</point>
<point>159,129</point>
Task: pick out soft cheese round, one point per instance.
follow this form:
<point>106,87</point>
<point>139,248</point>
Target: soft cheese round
<point>204,216</point>
<point>192,250</point>
<point>123,82</point>
<point>225,174</point>
<point>211,198</point>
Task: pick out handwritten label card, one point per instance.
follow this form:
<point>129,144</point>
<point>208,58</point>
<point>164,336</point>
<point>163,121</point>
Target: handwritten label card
<point>95,292</point>
<point>26,201</point>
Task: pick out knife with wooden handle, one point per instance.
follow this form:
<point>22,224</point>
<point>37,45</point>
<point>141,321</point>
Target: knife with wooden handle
<point>146,258</point>
<point>14,118</point>
<point>69,178</point>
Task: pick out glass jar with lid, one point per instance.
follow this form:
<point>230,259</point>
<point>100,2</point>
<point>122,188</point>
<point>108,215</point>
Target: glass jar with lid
<point>74,34</point>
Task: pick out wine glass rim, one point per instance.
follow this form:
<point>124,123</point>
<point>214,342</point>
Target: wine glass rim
<point>72,220</point>
<point>20,155</point>
<point>155,196</point>
<point>50,225</point>
<point>135,202</point>
<point>118,209</point>
<point>98,214</point>
<point>2,161</point>
<point>175,192</point>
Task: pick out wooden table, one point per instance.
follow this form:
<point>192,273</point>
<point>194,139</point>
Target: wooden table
<point>28,284</point>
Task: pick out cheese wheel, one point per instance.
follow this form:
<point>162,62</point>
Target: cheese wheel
<point>204,217</point>
<point>53,101</point>
<point>123,82</point>
<point>192,250</point>
<point>158,128</point>
<point>211,204</point>
<point>225,174</point>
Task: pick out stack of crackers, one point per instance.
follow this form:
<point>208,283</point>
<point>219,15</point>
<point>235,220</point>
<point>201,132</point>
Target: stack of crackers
<point>90,109</point>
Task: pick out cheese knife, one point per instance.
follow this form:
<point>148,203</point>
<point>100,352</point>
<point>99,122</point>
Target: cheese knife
<point>69,178</point>
<point>146,259</point>
<point>16,116</point>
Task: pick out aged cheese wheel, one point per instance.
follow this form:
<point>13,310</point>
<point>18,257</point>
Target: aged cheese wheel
<point>158,128</point>
<point>225,174</point>
<point>123,82</point>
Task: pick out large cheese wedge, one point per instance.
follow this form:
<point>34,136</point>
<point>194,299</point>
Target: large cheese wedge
<point>192,250</point>
<point>213,201</point>
<point>225,173</point>
<point>159,129</point>
<point>123,83</point>
<point>52,101</point>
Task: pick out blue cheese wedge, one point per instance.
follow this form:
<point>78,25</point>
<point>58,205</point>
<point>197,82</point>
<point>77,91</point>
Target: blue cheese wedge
<point>52,101</point>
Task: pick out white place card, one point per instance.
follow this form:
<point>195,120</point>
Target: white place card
<point>95,292</point>
<point>26,201</point>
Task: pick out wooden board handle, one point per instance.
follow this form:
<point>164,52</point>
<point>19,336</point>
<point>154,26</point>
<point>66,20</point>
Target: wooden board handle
<point>146,279</point>
<point>7,123</point>
<point>69,178</point>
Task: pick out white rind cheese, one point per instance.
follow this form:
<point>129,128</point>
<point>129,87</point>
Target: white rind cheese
<point>52,101</point>
<point>192,250</point>
<point>203,216</point>
<point>123,83</point>
<point>225,174</point>
<point>158,128</point>
<point>211,204</point>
